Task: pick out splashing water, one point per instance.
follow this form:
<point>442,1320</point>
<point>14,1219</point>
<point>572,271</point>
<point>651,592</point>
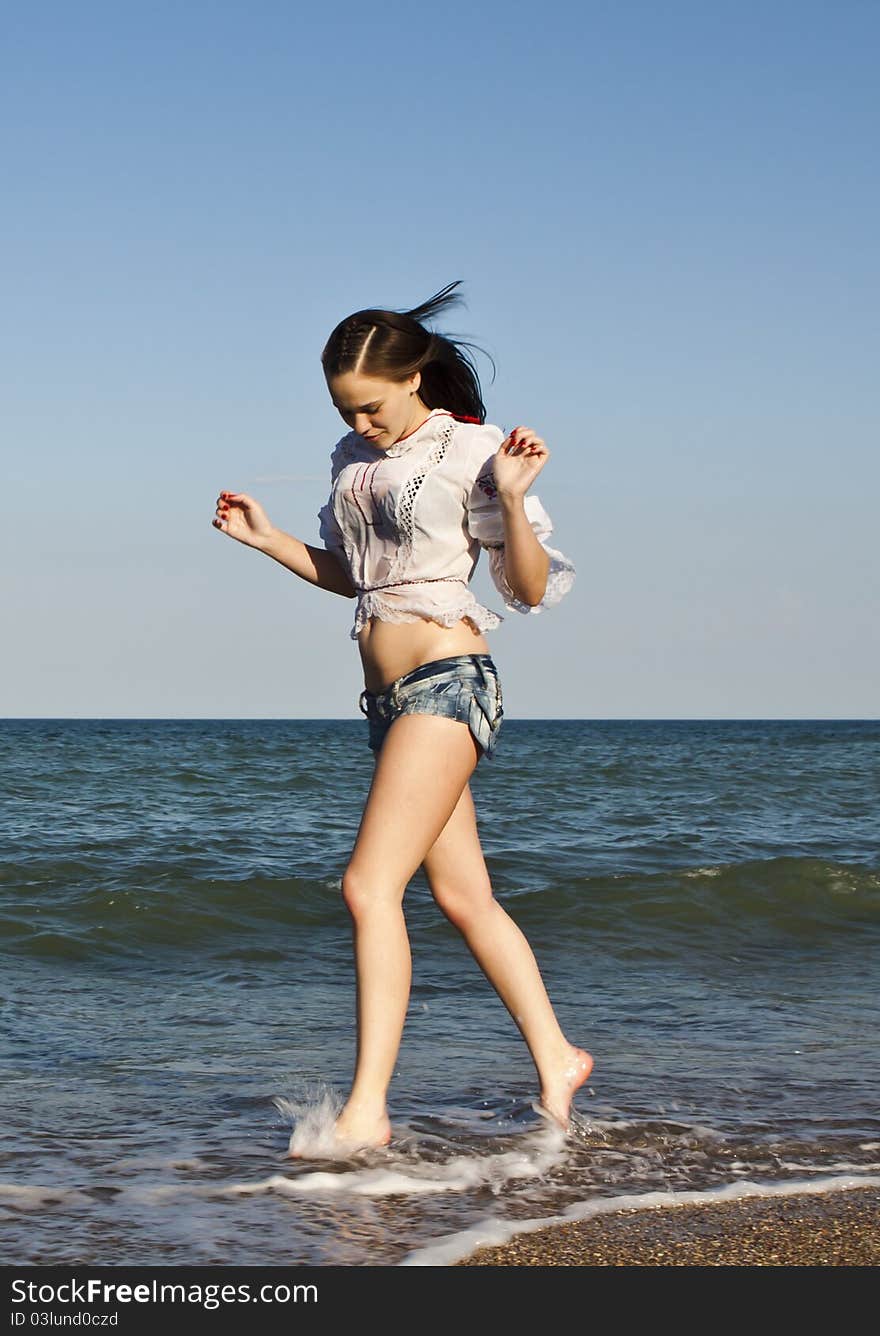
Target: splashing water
<point>314,1119</point>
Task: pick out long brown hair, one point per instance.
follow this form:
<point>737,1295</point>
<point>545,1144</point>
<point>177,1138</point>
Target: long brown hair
<point>393,345</point>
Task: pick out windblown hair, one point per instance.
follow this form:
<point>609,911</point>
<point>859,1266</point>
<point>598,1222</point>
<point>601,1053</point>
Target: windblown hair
<point>394,345</point>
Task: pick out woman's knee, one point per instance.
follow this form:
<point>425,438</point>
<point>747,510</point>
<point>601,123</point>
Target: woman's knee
<point>355,892</point>
<point>362,892</point>
<point>461,904</point>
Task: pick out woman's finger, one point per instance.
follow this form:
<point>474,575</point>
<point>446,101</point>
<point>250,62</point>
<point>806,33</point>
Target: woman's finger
<point>525,441</point>
<point>533,444</point>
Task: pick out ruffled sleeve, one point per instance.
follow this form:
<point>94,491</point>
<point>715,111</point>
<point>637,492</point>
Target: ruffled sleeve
<point>329,531</point>
<point>485,523</point>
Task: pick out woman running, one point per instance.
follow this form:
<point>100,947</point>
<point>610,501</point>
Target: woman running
<point>420,483</point>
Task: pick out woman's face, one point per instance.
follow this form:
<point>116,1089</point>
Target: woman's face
<point>380,410</point>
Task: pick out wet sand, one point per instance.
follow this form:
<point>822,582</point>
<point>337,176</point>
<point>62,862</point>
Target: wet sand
<point>817,1229</point>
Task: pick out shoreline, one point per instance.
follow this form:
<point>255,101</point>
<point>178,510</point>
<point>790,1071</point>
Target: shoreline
<point>840,1227</point>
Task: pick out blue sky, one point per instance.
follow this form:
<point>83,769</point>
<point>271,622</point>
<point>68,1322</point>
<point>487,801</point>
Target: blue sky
<point>665,218</point>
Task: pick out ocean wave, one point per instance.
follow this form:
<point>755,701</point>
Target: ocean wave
<point>74,909</point>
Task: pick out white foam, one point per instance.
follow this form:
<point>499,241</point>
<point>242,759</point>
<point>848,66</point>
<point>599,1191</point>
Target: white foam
<point>358,1183</point>
<point>841,1167</point>
<point>31,1196</point>
<point>494,1232</point>
<point>541,1150</point>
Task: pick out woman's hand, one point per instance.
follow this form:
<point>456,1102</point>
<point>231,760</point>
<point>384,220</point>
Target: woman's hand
<point>518,462</point>
<point>242,518</point>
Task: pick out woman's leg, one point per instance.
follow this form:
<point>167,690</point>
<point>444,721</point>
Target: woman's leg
<point>425,762</point>
<point>459,881</point>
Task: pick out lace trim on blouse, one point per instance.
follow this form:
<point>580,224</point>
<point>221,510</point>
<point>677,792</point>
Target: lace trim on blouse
<point>372,604</point>
<point>411,489</point>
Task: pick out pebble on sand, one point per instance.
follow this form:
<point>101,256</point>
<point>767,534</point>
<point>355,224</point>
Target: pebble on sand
<point>839,1228</point>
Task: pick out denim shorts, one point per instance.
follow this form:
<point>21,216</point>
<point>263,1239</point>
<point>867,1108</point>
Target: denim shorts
<point>463,687</point>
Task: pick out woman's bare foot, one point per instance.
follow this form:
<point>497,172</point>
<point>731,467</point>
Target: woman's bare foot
<point>354,1129</point>
<point>558,1089</point>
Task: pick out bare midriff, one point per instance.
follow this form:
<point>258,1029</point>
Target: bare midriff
<point>391,649</point>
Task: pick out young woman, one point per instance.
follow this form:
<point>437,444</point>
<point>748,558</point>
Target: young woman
<point>419,485</point>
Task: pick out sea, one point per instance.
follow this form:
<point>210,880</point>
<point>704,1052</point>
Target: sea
<point>178,1004</point>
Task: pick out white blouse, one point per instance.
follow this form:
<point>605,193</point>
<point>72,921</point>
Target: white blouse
<point>408,523</point>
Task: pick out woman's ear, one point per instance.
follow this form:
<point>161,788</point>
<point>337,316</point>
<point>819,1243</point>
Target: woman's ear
<point>416,383</point>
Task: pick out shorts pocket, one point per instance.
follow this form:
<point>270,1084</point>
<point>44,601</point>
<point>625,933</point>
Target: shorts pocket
<point>484,717</point>
<point>492,701</point>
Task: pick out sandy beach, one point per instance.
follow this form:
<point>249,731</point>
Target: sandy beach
<point>816,1229</point>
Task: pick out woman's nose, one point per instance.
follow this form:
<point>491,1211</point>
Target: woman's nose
<point>361,423</point>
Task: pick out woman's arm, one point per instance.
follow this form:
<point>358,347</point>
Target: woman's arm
<point>314,564</point>
<point>526,564</point>
<point>518,462</point>
<point>244,519</point>
<point>499,515</point>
